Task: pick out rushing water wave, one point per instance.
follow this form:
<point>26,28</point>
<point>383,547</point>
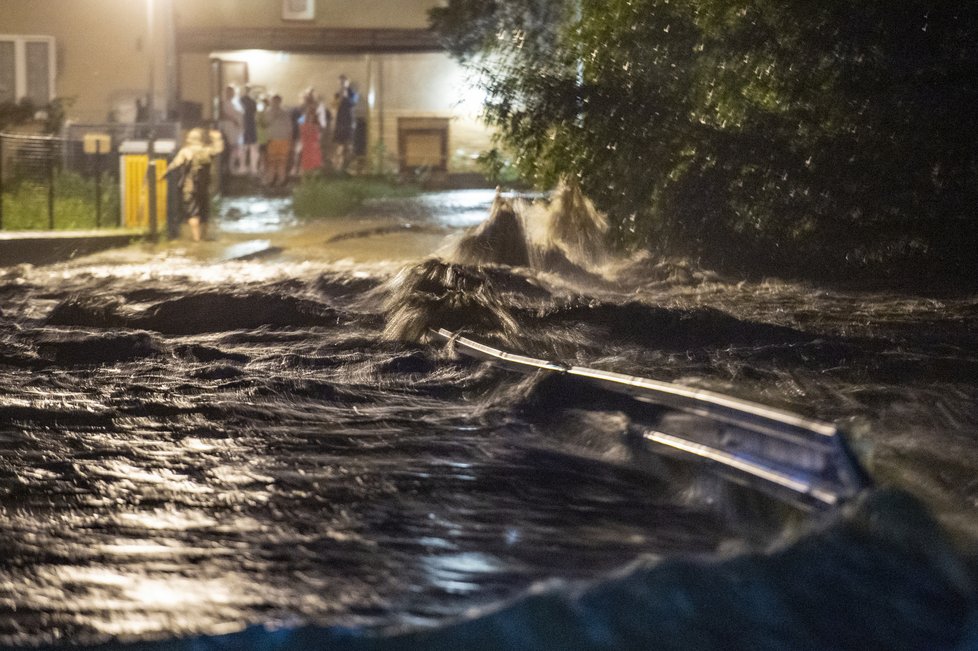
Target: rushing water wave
<point>194,448</point>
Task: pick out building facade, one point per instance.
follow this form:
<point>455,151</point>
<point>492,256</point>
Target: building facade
<point>120,60</point>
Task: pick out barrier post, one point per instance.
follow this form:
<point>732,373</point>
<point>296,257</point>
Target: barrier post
<point>51,184</point>
<point>97,144</point>
<point>98,190</point>
<point>1,181</point>
<point>151,196</point>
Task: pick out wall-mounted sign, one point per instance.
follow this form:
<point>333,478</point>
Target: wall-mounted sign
<point>97,143</point>
<point>298,9</point>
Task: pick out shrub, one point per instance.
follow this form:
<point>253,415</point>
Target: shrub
<point>325,197</point>
<point>25,205</point>
<point>790,136</point>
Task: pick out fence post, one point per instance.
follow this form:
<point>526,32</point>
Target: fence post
<point>51,183</point>
<point>151,197</point>
<point>1,181</point>
<point>98,188</point>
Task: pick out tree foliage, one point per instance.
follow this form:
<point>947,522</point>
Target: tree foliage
<point>777,134</point>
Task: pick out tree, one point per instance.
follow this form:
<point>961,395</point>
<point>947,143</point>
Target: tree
<point>782,135</point>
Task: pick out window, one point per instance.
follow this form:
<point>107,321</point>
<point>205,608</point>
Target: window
<point>298,9</point>
<point>26,69</point>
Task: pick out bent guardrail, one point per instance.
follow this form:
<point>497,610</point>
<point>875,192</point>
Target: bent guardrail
<point>791,457</point>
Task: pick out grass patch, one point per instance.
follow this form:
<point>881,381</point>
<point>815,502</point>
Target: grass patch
<point>25,205</point>
<point>325,197</point>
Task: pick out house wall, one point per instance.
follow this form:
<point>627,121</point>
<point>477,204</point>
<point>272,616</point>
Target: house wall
<point>432,85</point>
<point>329,13</point>
<point>102,51</point>
<point>195,80</point>
<point>103,61</point>
<point>290,74</point>
<point>103,58</point>
<point>391,87</point>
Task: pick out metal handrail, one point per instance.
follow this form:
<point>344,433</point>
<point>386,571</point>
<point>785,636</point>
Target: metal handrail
<point>776,449</point>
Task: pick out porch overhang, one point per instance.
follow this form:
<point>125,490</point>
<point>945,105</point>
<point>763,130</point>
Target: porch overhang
<point>308,40</point>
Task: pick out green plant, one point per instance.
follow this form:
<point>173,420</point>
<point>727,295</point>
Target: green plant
<point>317,196</point>
<point>380,161</point>
<point>498,168</point>
<point>26,207</point>
<point>55,113</point>
<point>16,113</point>
<point>13,114</point>
<point>756,135</point>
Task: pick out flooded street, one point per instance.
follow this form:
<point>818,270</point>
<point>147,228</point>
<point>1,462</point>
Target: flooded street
<point>195,439</point>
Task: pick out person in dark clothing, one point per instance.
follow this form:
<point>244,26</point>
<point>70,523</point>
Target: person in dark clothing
<point>346,100</point>
<point>249,135</point>
<point>192,169</point>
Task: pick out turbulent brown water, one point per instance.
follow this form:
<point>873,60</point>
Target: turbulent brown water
<point>193,447</point>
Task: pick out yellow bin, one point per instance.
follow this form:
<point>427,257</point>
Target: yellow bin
<point>135,194</point>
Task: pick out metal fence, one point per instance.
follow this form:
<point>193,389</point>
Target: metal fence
<point>70,181</point>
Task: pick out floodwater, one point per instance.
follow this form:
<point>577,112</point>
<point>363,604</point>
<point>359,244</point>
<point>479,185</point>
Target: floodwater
<point>254,440</point>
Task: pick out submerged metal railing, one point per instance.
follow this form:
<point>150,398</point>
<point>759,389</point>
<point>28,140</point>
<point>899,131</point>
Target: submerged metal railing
<point>781,453</point>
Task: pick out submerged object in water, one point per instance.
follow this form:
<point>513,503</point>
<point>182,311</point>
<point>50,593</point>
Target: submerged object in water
<point>435,291</point>
<point>794,459</point>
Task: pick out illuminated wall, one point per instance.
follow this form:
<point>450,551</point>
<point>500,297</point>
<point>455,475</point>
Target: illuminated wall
<point>290,74</point>
<point>103,61</point>
<point>328,13</point>
<point>102,51</point>
<point>391,87</point>
<point>432,85</point>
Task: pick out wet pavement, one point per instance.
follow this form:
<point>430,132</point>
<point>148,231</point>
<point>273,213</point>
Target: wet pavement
<point>253,227</point>
<point>47,247</point>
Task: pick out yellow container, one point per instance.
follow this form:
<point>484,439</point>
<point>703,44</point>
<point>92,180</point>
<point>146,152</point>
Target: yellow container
<point>135,194</point>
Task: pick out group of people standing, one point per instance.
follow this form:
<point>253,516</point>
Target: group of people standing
<point>268,141</point>
<point>265,140</point>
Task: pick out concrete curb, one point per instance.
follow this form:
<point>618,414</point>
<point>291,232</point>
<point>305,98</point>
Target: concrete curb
<point>39,248</point>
